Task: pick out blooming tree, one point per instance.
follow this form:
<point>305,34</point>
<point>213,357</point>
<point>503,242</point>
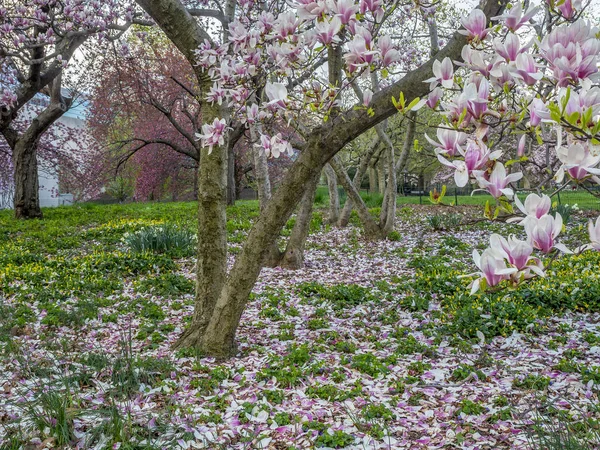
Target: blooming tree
<point>514,80</point>
<point>38,39</point>
<point>262,48</point>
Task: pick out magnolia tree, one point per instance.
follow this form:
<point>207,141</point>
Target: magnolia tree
<point>38,39</point>
<point>270,50</point>
<point>540,87</point>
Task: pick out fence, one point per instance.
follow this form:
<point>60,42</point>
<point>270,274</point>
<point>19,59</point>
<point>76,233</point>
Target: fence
<point>468,196</point>
<point>584,199</point>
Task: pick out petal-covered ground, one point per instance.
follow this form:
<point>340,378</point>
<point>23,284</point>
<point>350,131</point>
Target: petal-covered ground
<point>345,353</point>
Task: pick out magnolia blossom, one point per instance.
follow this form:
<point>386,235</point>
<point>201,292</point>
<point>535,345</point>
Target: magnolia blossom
<point>498,180</point>
<point>572,52</point>
<point>578,161</point>
<point>275,145</point>
<point>449,141</point>
<point>476,156</point>
<point>492,266</point>
<point>568,8</point>
<point>518,254</point>
<point>538,112</point>
<point>213,134</point>
<point>475,25</point>
<point>510,48</point>
<point>535,206</point>
<point>514,18</point>
<point>326,32</point>
<point>526,70</point>
<point>594,232</point>
<point>434,97</point>
<point>367,97</point>
<point>389,54</point>
<point>443,73</point>
<point>277,94</point>
<point>542,232</point>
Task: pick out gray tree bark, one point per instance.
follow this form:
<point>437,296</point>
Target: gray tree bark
<point>357,181</point>
<point>293,257</point>
<point>334,198</point>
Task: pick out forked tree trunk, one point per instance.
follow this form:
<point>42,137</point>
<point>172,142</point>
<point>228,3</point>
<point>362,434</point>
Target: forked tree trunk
<point>334,197</point>
<point>293,257</point>
<point>370,226</point>
<point>27,198</point>
<point>217,339</point>
<point>357,181</point>
<point>388,207</point>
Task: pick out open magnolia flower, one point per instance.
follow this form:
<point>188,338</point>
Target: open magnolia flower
<point>449,141</point>
<point>542,232</point>
<point>493,268</point>
<point>476,156</point>
<point>578,160</point>
<point>443,73</point>
<point>497,182</point>
<point>535,207</point>
<point>517,253</point>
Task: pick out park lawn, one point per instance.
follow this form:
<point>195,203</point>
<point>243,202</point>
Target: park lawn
<point>371,345</point>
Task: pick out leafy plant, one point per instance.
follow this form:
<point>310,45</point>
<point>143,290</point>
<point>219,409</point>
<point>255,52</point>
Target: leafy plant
<point>167,238</point>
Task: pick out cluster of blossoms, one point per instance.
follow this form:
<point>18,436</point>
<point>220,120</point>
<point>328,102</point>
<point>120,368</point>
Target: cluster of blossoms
<point>51,25</point>
<point>503,72</point>
<point>265,70</point>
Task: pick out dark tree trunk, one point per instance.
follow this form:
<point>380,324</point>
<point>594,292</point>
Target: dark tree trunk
<point>27,198</point>
<point>231,187</point>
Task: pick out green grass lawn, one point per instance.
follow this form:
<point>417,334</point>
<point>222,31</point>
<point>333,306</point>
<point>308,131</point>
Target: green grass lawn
<point>581,198</point>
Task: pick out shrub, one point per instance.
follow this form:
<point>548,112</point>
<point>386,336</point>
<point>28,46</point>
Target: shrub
<point>165,238</point>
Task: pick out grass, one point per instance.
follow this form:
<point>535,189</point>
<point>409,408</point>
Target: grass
<point>583,199</point>
<point>100,313</point>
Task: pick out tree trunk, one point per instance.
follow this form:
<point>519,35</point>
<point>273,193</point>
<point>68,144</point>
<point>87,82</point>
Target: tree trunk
<point>261,173</point>
<point>373,180</point>
<point>334,197</point>
<point>231,188</point>
<point>211,265</point>
<point>370,226</point>
<point>357,181</point>
<point>27,198</point>
<point>388,210</point>
<point>293,257</point>
<point>381,173</point>
<point>408,142</point>
<point>25,146</point>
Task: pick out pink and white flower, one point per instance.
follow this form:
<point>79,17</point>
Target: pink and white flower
<point>579,161</point>
<point>213,134</point>
<point>475,25</point>
<point>542,232</point>
<point>449,141</point>
<point>498,181</point>
<point>493,268</point>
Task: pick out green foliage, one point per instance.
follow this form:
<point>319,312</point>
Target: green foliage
<point>369,364</point>
<point>341,295</point>
<point>531,381</point>
<point>337,439</point>
<point>165,285</point>
<point>440,222</point>
<point>168,238</point>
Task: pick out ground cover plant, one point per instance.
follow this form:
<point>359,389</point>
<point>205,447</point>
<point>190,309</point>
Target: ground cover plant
<point>371,345</point>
